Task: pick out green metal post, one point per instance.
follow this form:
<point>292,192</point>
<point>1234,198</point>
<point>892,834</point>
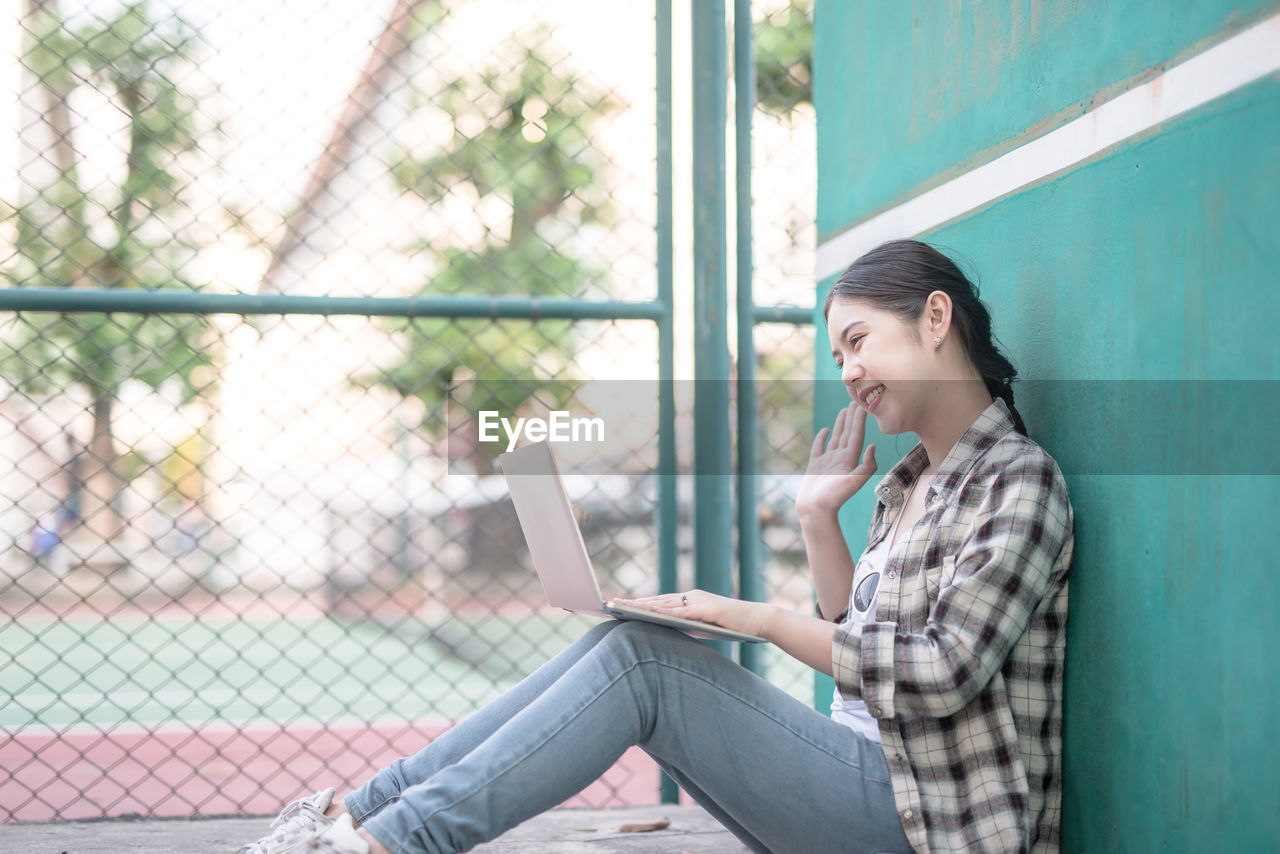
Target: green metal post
<point>793,314</point>
<point>667,509</point>
<point>750,577</point>
<point>138,301</point>
<point>668,517</point>
<point>713,510</point>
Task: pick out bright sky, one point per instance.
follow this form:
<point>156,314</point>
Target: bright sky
<point>280,70</point>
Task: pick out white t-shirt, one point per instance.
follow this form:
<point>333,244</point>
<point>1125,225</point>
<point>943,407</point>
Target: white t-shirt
<point>862,607</point>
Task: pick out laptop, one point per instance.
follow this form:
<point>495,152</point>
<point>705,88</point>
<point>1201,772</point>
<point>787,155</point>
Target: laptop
<point>559,554</point>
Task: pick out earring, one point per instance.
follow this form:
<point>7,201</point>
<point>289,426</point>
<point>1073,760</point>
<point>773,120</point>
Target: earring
<point>937,342</point>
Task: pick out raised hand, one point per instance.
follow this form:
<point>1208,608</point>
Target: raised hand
<point>838,465</point>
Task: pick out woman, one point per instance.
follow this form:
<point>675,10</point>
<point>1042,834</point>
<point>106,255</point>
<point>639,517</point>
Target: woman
<point>946,638</point>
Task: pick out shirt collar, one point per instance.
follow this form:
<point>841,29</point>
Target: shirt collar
<point>989,427</point>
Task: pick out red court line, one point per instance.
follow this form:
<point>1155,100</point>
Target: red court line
<point>222,771</point>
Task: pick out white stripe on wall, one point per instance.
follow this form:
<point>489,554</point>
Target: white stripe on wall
<point>1247,56</point>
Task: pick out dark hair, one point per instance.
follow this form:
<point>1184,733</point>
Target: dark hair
<point>898,276</point>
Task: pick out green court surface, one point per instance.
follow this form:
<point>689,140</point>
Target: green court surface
<point>181,714</point>
<point>152,671</point>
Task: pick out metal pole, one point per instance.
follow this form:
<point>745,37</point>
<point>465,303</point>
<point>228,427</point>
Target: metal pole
<point>750,577</point>
<point>668,516</point>
<point>713,510</point>
<point>138,301</point>
<point>793,314</point>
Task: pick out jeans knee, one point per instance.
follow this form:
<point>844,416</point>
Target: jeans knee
<point>600,631</point>
<point>637,641</point>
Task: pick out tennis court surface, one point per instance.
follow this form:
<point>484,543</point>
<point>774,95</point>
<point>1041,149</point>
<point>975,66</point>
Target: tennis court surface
<point>217,713</point>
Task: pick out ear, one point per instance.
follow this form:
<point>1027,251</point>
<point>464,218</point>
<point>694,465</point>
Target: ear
<point>936,317</point>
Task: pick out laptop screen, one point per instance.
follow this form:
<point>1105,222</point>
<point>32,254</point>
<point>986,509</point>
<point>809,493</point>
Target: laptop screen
<point>555,541</point>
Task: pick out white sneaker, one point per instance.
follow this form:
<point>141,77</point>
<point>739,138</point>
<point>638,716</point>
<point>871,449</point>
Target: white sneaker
<point>340,838</point>
<point>296,825</point>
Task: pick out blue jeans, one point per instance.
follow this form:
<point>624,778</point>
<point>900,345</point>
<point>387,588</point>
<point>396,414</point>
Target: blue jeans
<point>778,774</point>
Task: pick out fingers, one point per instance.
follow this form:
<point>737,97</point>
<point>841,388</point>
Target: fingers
<point>837,431</point>
<point>840,433</point>
<point>683,603</point>
<point>850,427</point>
<point>670,602</point>
<point>819,442</point>
<point>858,424</point>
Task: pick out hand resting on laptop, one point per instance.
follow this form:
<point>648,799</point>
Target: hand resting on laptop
<point>735,614</point>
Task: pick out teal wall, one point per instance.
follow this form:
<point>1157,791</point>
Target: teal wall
<point>913,93</point>
<point>1158,260</point>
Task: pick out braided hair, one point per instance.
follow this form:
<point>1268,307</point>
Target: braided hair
<point>898,277</point>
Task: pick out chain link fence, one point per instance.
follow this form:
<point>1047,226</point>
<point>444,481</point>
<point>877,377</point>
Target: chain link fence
<point>784,239</point>
<point>245,552</point>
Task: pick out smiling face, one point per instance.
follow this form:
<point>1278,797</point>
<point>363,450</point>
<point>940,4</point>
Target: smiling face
<point>884,363</point>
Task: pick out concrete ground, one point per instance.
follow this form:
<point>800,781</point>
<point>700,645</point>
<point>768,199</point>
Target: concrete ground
<point>561,831</point>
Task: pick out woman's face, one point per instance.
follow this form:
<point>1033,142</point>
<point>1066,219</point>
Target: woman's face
<point>882,362</point>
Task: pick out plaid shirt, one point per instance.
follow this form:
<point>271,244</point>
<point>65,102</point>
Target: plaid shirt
<point>963,663</point>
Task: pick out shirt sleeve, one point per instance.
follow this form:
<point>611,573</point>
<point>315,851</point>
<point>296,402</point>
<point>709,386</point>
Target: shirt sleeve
<point>1004,568</point>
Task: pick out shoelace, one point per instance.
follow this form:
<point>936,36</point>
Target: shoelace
<point>284,834</point>
<point>298,810</point>
<point>298,819</point>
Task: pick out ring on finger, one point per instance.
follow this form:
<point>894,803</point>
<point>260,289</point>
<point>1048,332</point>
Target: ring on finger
<point>684,599</point>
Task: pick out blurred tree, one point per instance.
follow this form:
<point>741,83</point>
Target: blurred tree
<point>126,229</point>
<point>784,57</point>
<point>522,136</point>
